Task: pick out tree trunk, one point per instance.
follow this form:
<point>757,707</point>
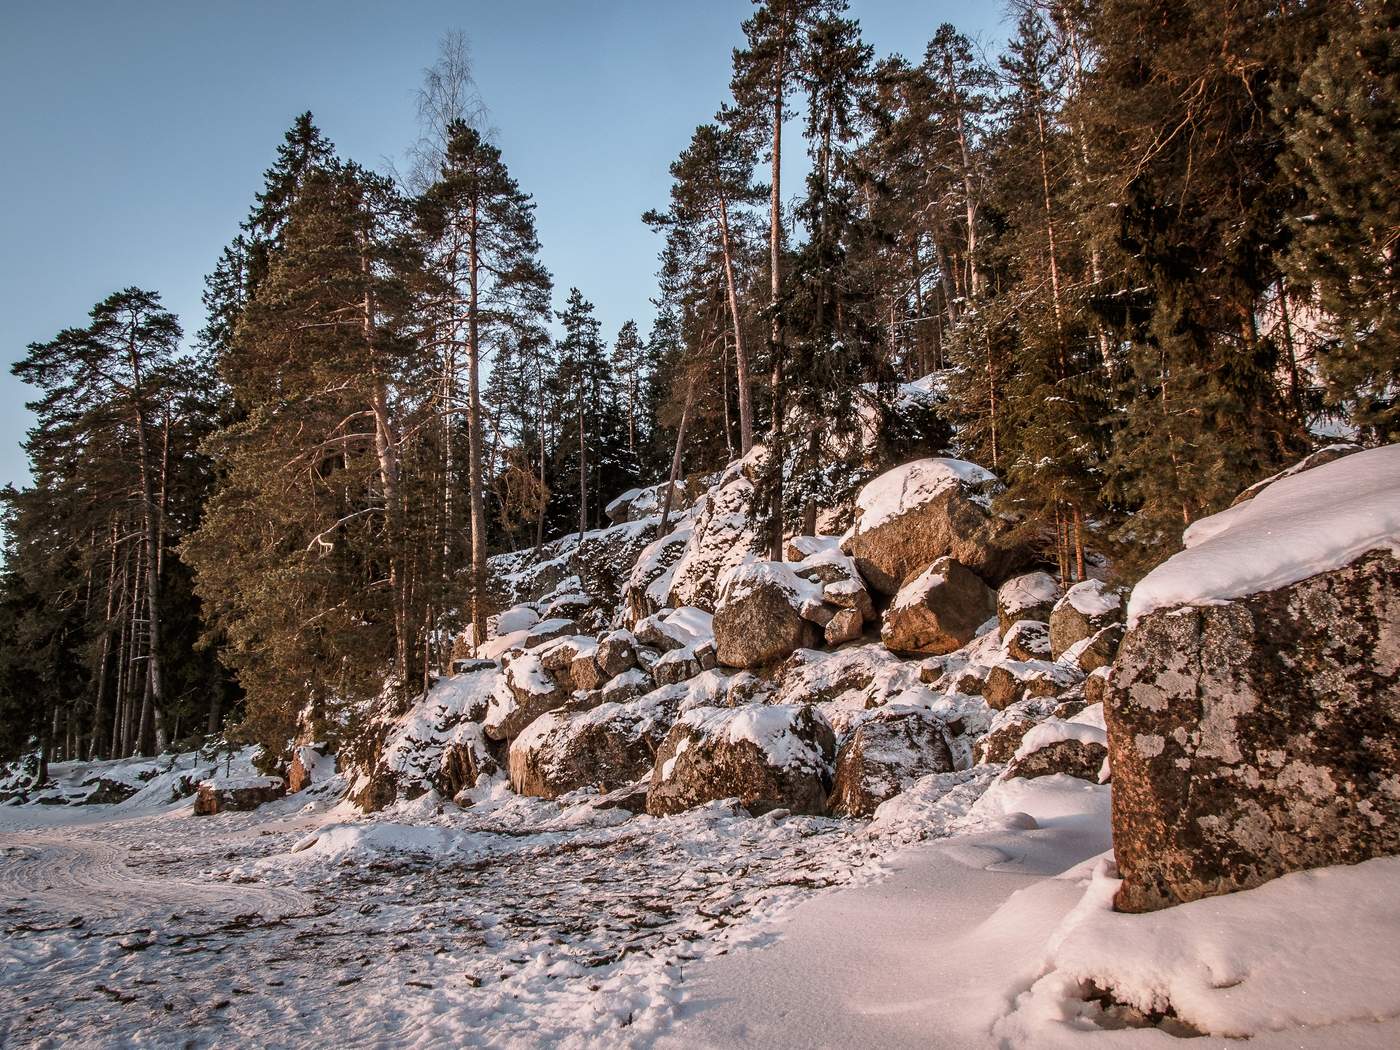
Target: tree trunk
<point>741,357</point>
<point>475,484</point>
<point>152,528</point>
<point>775,338</point>
<point>676,457</point>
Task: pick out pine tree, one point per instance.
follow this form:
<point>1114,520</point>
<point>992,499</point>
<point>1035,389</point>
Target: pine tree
<point>708,231</point>
<point>483,250</point>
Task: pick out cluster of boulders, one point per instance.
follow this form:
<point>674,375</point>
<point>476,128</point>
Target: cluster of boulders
<point>823,683</point>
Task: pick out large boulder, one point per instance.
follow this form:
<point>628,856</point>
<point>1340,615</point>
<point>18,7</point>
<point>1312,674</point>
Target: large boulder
<point>1254,706</point>
<point>228,794</point>
<point>1075,747</point>
<point>1029,597</point>
<point>616,653</point>
<point>938,611</point>
<point>925,510</point>
<point>1027,640</point>
<point>764,614</point>
<point>605,748</point>
<point>776,756</point>
<point>887,751</point>
<point>1013,680</point>
<point>1087,608</point>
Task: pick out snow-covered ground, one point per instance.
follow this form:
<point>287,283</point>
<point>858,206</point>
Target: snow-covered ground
<point>970,913</point>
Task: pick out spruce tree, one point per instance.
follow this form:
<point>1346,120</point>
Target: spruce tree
<point>1343,154</point>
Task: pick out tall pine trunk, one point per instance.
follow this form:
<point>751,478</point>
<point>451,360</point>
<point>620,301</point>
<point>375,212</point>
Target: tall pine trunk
<point>475,481</point>
<point>151,528</point>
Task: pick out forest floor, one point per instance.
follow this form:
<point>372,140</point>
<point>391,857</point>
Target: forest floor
<point>516,922</point>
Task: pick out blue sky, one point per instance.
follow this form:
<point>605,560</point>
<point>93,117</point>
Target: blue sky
<point>136,133</point>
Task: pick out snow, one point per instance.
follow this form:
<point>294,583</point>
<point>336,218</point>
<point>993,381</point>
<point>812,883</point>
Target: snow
<point>1055,731</point>
<point>753,574</point>
<point>513,923</point>
<point>898,491</point>
<point>695,625</point>
<point>1281,958</point>
<point>1093,598</point>
<point>1300,526</point>
<point>516,618</point>
<point>241,783</point>
<point>807,546</point>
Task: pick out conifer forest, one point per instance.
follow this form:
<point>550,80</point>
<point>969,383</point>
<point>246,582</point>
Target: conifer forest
<point>961,608</point>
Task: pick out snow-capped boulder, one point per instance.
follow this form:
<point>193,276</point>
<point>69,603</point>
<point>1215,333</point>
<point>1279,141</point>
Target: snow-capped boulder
<point>559,656</point>
<point>527,690</point>
<point>885,753</point>
<point>1075,747</point>
<point>938,611</point>
<point>923,511</point>
<point>1027,640</point>
<point>768,756</point>
<point>1087,608</point>
<point>1008,727</point>
<point>725,532</point>
<point>229,794</point>
<point>626,686</point>
<point>675,628</point>
<point>616,653</point>
<point>677,665</point>
<point>1028,597</point>
<point>1254,707</point>
<point>765,613</point>
<point>605,748</point>
<point>1012,680</point>
<point>635,504</point>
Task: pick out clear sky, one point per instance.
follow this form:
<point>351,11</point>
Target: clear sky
<point>136,133</point>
